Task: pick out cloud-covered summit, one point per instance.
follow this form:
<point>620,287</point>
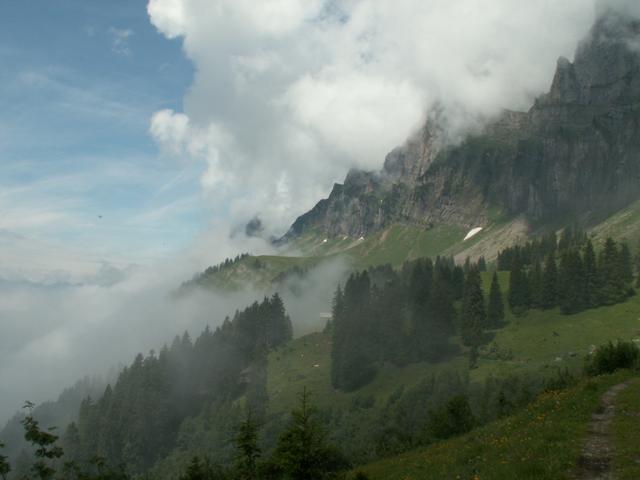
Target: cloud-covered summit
<point>290,94</point>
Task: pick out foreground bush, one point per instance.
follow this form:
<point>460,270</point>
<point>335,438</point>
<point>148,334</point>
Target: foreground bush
<point>609,358</point>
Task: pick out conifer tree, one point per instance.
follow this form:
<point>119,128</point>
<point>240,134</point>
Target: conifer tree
<point>637,268</point>
<point>5,468</point>
<point>247,450</point>
<point>571,282</point>
<point>626,264</point>
<point>302,452</point>
<point>535,286</point>
<point>202,470</point>
<point>482,264</point>
<point>549,294</point>
<point>591,278</point>
<point>518,287</point>
<point>495,309</point>
<point>473,315</point>
<point>613,288</point>
<point>354,337</point>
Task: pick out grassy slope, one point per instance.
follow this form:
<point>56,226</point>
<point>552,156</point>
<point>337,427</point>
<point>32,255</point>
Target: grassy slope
<point>540,338</point>
<point>623,226</point>
<point>541,442</point>
<point>399,243</point>
<point>394,246</point>
<point>626,428</point>
<point>306,362</point>
<point>531,338</point>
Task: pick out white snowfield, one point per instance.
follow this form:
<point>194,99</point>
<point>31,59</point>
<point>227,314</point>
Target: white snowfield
<point>472,232</point>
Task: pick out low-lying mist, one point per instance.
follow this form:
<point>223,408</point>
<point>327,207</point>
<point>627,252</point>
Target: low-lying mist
<point>52,335</point>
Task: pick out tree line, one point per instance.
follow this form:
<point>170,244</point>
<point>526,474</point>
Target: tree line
<point>570,276</point>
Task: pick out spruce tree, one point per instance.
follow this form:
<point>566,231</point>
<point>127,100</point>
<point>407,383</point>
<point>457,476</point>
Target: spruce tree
<point>473,315</point>
<point>572,282</point>
<point>549,294</point>
<point>247,450</point>
<point>495,309</point>
<point>198,470</point>
<point>354,348</point>
<point>626,264</point>
<point>591,279</point>
<point>302,452</point>
<point>482,264</point>
<point>5,468</point>
<point>613,287</point>
<point>637,268</point>
<point>535,286</point>
<point>518,287</point>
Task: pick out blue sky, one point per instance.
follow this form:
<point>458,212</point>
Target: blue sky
<point>79,83</point>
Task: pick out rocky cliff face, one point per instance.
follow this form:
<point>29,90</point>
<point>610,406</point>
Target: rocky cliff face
<point>575,154</point>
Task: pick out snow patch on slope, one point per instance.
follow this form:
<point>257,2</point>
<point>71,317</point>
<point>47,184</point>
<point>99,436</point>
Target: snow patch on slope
<point>472,232</point>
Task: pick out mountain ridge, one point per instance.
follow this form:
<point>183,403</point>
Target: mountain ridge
<point>574,156</point>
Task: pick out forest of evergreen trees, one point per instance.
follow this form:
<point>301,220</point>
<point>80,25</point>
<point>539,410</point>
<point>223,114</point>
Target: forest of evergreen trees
<point>136,421</point>
<point>302,452</point>
<point>567,274</point>
<point>401,317</point>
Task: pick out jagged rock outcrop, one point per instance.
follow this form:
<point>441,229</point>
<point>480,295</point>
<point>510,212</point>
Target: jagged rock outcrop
<point>574,155</point>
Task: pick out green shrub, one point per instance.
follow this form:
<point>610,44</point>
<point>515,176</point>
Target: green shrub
<point>453,418</point>
<point>609,358</point>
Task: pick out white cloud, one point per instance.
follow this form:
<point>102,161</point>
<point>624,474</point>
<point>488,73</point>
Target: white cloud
<point>289,94</point>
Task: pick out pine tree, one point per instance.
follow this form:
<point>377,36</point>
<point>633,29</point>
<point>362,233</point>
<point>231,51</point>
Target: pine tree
<point>613,288</point>
<point>518,287</point>
<point>637,268</point>
<point>279,328</point>
<point>354,348</point>
<point>482,264</point>
<point>247,450</point>
<point>495,309</point>
<point>571,282</point>
<point>473,315</point>
<point>591,278</point>
<point>200,470</point>
<point>535,286</point>
<point>626,264</point>
<point>339,333</point>
<point>302,452</point>
<point>5,468</point>
<point>549,294</point>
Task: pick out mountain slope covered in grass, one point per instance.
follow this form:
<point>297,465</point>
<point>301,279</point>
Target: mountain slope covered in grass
<point>542,442</point>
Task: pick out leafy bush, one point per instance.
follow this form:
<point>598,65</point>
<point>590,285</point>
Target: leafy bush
<point>454,418</point>
<point>609,358</point>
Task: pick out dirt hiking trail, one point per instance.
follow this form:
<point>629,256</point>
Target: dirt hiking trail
<point>595,460</point>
